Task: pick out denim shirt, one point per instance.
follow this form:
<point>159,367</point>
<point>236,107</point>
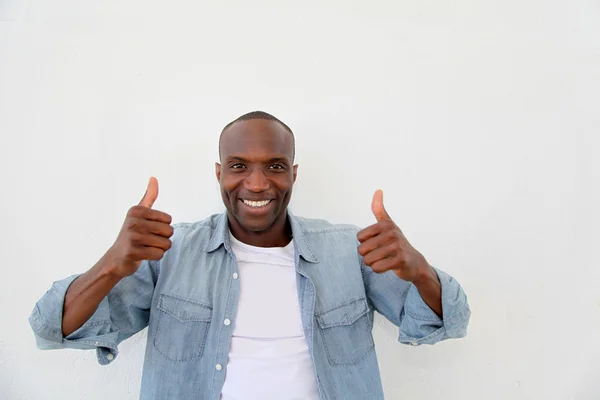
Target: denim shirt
<point>185,298</point>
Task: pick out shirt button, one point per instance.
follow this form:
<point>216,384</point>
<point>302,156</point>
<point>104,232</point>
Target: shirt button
<point>227,321</point>
<point>414,343</point>
<point>219,367</point>
<point>235,275</point>
<point>110,357</point>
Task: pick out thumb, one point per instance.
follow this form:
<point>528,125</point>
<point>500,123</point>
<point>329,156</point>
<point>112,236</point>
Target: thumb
<point>377,206</point>
<point>151,193</point>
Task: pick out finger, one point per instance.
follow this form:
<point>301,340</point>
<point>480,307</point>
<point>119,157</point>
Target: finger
<point>377,206</point>
<point>150,240</point>
<point>384,265</point>
<point>374,242</point>
<point>150,253</point>
<point>380,253</point>
<point>369,232</point>
<point>376,229</point>
<point>142,212</point>
<point>148,226</point>
<point>158,216</point>
<point>151,193</point>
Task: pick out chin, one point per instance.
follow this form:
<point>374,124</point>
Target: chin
<point>257,225</point>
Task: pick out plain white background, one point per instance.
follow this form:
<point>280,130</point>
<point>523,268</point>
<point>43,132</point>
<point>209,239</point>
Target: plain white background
<point>480,120</point>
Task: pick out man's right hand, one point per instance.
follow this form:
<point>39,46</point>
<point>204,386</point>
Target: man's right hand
<point>144,236</point>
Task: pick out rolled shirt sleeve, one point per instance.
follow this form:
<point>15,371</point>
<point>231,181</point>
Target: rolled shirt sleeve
<point>420,325</point>
<point>122,313</point>
<point>400,302</point>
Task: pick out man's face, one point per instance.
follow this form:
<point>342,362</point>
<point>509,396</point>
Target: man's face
<point>256,173</point>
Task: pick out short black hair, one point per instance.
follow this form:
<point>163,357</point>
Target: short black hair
<point>260,115</point>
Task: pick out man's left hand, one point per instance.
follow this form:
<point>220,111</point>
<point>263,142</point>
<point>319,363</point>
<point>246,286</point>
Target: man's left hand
<point>385,248</point>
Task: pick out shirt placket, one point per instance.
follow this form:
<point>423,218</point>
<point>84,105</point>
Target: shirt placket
<point>230,299</point>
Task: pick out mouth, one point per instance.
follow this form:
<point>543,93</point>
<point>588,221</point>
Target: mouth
<point>256,204</point>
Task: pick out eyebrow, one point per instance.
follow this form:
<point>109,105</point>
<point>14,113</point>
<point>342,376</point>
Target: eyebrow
<point>242,159</point>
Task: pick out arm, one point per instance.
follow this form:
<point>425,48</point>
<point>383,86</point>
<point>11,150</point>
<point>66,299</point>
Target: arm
<point>118,315</point>
<point>427,304</point>
<point>85,294</point>
<point>400,302</point>
<point>111,301</point>
<point>430,289</point>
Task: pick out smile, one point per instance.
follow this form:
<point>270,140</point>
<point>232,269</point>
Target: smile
<point>256,204</point>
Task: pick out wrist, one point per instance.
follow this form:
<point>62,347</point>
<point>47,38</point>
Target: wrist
<point>110,267</point>
<point>426,276</point>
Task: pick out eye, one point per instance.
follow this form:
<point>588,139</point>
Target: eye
<point>237,166</point>
<point>276,167</point>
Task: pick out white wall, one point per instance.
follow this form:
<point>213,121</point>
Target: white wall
<point>479,119</point>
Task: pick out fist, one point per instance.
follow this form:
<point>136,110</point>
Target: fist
<point>384,247</point>
<point>144,236</point>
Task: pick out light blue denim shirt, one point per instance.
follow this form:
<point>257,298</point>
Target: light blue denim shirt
<point>185,298</point>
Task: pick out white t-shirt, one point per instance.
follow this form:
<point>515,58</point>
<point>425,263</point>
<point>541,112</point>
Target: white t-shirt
<point>268,357</point>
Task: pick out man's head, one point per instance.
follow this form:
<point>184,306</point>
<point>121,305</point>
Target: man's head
<point>257,171</point>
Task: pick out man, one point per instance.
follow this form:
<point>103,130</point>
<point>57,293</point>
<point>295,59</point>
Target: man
<point>255,303</point>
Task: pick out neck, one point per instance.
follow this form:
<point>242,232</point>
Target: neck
<point>278,234</point>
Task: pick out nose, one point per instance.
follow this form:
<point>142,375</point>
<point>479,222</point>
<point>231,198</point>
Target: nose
<point>256,181</point>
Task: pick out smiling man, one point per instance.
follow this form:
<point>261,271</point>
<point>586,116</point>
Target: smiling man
<point>254,303</point>
<point>256,178</point>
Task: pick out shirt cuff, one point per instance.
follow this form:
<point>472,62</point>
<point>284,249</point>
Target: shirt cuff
<point>422,325</point>
<point>46,318</point>
<point>46,323</point>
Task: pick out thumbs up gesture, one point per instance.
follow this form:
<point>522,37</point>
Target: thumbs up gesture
<point>144,236</point>
<point>385,248</point>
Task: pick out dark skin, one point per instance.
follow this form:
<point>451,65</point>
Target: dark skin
<point>145,235</point>
<point>385,248</point>
<point>251,152</point>
<point>257,167</point>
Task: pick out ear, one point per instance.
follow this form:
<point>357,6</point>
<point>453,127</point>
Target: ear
<point>295,172</point>
<point>218,171</point>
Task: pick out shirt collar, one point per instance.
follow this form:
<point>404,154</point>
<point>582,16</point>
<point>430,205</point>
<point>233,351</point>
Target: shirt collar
<point>220,236</point>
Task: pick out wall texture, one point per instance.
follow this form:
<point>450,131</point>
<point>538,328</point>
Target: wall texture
<point>479,119</point>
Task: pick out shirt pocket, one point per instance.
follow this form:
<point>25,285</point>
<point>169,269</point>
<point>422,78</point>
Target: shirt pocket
<point>347,332</point>
<point>182,327</point>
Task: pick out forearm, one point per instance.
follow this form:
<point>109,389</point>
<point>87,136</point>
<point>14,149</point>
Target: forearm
<point>85,294</point>
<point>430,290</point>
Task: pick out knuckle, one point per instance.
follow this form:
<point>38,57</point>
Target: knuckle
<point>386,224</point>
<point>157,254</point>
<point>361,250</point>
<point>135,238</point>
<point>130,254</point>
<point>136,211</point>
<point>401,260</point>
<point>376,268</point>
<point>133,224</point>
<point>149,254</point>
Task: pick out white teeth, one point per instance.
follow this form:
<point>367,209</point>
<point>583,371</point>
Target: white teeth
<point>256,203</point>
